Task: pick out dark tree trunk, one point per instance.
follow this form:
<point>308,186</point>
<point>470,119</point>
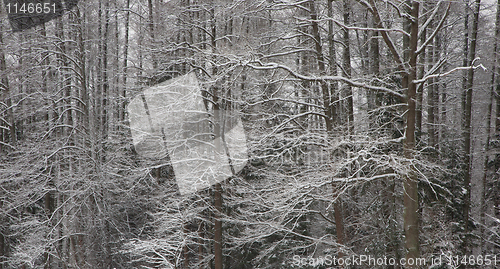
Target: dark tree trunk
<point>346,59</point>
<point>496,192</point>
<point>125,65</point>
<point>333,66</point>
<point>468,130</point>
<point>411,204</point>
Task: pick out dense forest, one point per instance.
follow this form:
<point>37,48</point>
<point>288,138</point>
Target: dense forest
<point>372,129</point>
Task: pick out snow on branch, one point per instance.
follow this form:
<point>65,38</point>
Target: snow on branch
<point>6,144</point>
<point>369,28</point>
<point>429,20</point>
<point>270,66</point>
<point>427,77</point>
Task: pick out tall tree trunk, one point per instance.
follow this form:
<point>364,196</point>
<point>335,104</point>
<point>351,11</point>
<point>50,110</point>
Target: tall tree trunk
<point>411,217</point>
<point>103,112</point>
<point>151,31</point>
<point>421,73</point>
<point>468,130</point>
<point>332,62</point>
<point>494,90</point>
<point>433,94</point>
<point>8,120</point>
<point>431,105</point>
<point>218,259</point>
<point>410,181</point>
<point>465,57</point>
<point>49,200</point>
<point>125,65</point>
<point>3,253</point>
<point>346,64</point>
<point>496,192</point>
<point>437,55</point>
<point>486,154</point>
<point>373,98</point>
<point>329,120</point>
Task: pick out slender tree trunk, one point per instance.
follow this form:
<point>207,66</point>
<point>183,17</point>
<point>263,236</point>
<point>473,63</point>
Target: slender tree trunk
<point>373,98</point>
<point>105,80</point>
<point>3,252</point>
<point>151,30</point>
<point>218,259</point>
<point>435,96</point>
<point>468,130</point>
<point>45,74</point>
<point>431,106</point>
<point>421,73</point>
<point>496,192</point>
<point>332,62</point>
<point>125,65</point>
<point>486,155</point>
<point>494,89</point>
<point>411,217</point>
<point>465,59</point>
<point>346,58</point>
<point>7,99</point>
<point>321,66</point>
<point>410,181</point>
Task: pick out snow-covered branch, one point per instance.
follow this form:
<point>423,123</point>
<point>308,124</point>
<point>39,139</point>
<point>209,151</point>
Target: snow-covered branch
<point>427,77</point>
<point>270,66</point>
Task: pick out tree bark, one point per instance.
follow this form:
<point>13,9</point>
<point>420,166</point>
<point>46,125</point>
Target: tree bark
<point>152,31</point>
<point>125,64</point>
<point>346,64</point>
<point>374,97</point>
<point>218,227</point>
<point>421,73</point>
<point>332,62</point>
<point>411,204</point>
<point>468,130</point>
<point>3,246</point>
<point>5,88</point>
<point>431,106</point>
<point>410,181</point>
<point>218,259</point>
<point>496,193</point>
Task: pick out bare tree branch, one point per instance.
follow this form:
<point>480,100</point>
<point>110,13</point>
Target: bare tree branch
<point>435,30</point>
<point>270,66</point>
<point>386,37</point>
<point>427,77</point>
